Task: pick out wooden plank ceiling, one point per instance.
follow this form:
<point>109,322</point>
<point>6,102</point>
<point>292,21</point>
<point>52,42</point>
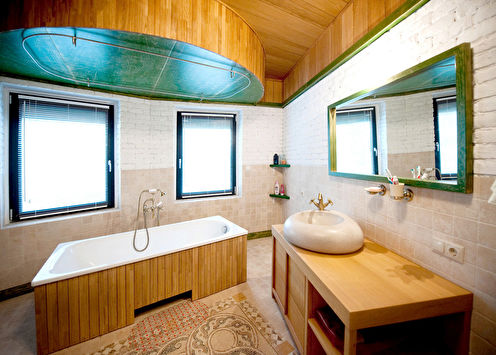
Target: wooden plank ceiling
<point>287,28</point>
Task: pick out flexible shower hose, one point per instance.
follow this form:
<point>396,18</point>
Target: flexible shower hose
<point>136,226</point>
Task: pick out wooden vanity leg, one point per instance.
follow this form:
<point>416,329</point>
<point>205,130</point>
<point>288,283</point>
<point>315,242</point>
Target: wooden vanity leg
<point>350,339</point>
<point>464,335</point>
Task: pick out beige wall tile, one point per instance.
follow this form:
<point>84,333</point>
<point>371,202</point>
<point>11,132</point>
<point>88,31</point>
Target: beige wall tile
<point>487,235</point>
<point>484,327</point>
<point>465,229</point>
<point>486,258</point>
<point>485,304</point>
<point>486,281</point>
<point>442,223</point>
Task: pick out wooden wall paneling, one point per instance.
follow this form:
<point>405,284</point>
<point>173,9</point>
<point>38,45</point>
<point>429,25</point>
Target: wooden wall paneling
<point>63,313</point>
<point>268,91</point>
<point>138,285</point>
<point>103,306</point>
<point>161,277</point>
<point>73,295</point>
<point>185,258</point>
<point>175,273</point>
<point>224,259</point>
<point>145,281</point>
<point>376,13</point>
<point>244,258</point>
<point>336,38</point>
<point>40,302</point>
<point>154,280</point>
<point>236,271</point>
<point>277,94</point>
<point>273,91</point>
<point>129,294</point>
<point>219,275</point>
<point>324,49</point>
<point>84,308</point>
<point>121,297</point>
<point>287,28</point>
<point>352,23</point>
<point>216,272</point>
<point>360,17</point>
<point>112,300</point>
<point>232,263</point>
<point>205,23</point>
<point>52,317</point>
<point>346,30</point>
<point>168,276</point>
<point>392,5</point>
<point>94,307</point>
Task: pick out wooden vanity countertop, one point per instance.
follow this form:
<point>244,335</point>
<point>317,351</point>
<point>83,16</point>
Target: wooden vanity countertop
<point>375,286</point>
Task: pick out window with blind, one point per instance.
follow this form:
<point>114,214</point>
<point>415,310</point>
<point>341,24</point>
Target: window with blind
<point>206,155</point>
<point>356,148</point>
<point>61,156</point>
<point>445,136</point>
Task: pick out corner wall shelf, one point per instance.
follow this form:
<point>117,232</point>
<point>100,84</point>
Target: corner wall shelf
<point>280,165</point>
<point>279,196</point>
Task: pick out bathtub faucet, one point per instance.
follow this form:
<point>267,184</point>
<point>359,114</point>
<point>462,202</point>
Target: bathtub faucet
<point>153,205</point>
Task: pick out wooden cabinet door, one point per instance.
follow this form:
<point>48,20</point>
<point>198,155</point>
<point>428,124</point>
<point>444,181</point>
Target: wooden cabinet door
<point>279,275</point>
<point>296,309</point>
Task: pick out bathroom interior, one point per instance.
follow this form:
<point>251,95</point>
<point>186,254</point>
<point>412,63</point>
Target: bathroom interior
<point>248,177</point>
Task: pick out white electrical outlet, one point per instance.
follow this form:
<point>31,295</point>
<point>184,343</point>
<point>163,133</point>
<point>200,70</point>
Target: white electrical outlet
<point>454,251</point>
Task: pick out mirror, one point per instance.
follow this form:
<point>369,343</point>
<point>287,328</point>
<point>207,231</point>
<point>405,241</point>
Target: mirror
<point>418,124</point>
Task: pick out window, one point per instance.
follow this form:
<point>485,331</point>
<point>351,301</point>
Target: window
<point>61,156</point>
<point>356,148</point>
<point>445,136</point>
<point>206,155</point>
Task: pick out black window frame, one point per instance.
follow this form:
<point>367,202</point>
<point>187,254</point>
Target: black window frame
<point>373,132</point>
<point>179,158</point>
<point>437,144</point>
<point>15,215</point>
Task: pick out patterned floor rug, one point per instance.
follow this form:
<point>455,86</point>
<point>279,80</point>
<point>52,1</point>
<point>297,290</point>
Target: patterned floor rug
<point>232,326</point>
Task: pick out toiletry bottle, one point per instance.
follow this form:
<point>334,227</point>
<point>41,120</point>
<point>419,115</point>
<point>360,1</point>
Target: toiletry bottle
<point>276,188</point>
<point>282,189</point>
<point>276,159</point>
<point>283,159</point>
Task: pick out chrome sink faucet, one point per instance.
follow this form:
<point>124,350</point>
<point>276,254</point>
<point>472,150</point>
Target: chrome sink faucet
<point>321,205</point>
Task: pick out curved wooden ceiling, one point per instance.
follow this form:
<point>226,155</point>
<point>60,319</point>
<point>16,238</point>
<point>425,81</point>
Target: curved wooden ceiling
<point>207,24</point>
<point>287,28</point>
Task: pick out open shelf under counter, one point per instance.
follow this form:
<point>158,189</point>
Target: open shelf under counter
<point>371,289</point>
<point>324,341</point>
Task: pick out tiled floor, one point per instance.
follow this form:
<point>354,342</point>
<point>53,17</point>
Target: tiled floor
<point>17,326</point>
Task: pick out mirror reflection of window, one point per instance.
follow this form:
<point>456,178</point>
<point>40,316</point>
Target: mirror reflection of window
<point>356,148</point>
<point>445,128</point>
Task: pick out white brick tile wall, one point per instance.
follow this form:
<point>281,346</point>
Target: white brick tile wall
<point>408,228</point>
<point>148,128</point>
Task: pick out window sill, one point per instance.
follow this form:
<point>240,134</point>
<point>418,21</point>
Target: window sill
<point>8,225</point>
<point>200,199</point>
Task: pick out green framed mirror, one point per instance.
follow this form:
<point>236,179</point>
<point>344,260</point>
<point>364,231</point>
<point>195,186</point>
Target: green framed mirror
<point>417,124</point>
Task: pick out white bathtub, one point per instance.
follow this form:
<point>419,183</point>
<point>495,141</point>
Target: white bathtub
<point>90,255</point>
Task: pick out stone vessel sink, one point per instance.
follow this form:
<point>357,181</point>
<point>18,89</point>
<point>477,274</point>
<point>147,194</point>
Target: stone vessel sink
<point>329,232</point>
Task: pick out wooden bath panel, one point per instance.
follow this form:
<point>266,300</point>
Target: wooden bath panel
<point>162,277</point>
<point>220,265</point>
<point>74,310</point>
